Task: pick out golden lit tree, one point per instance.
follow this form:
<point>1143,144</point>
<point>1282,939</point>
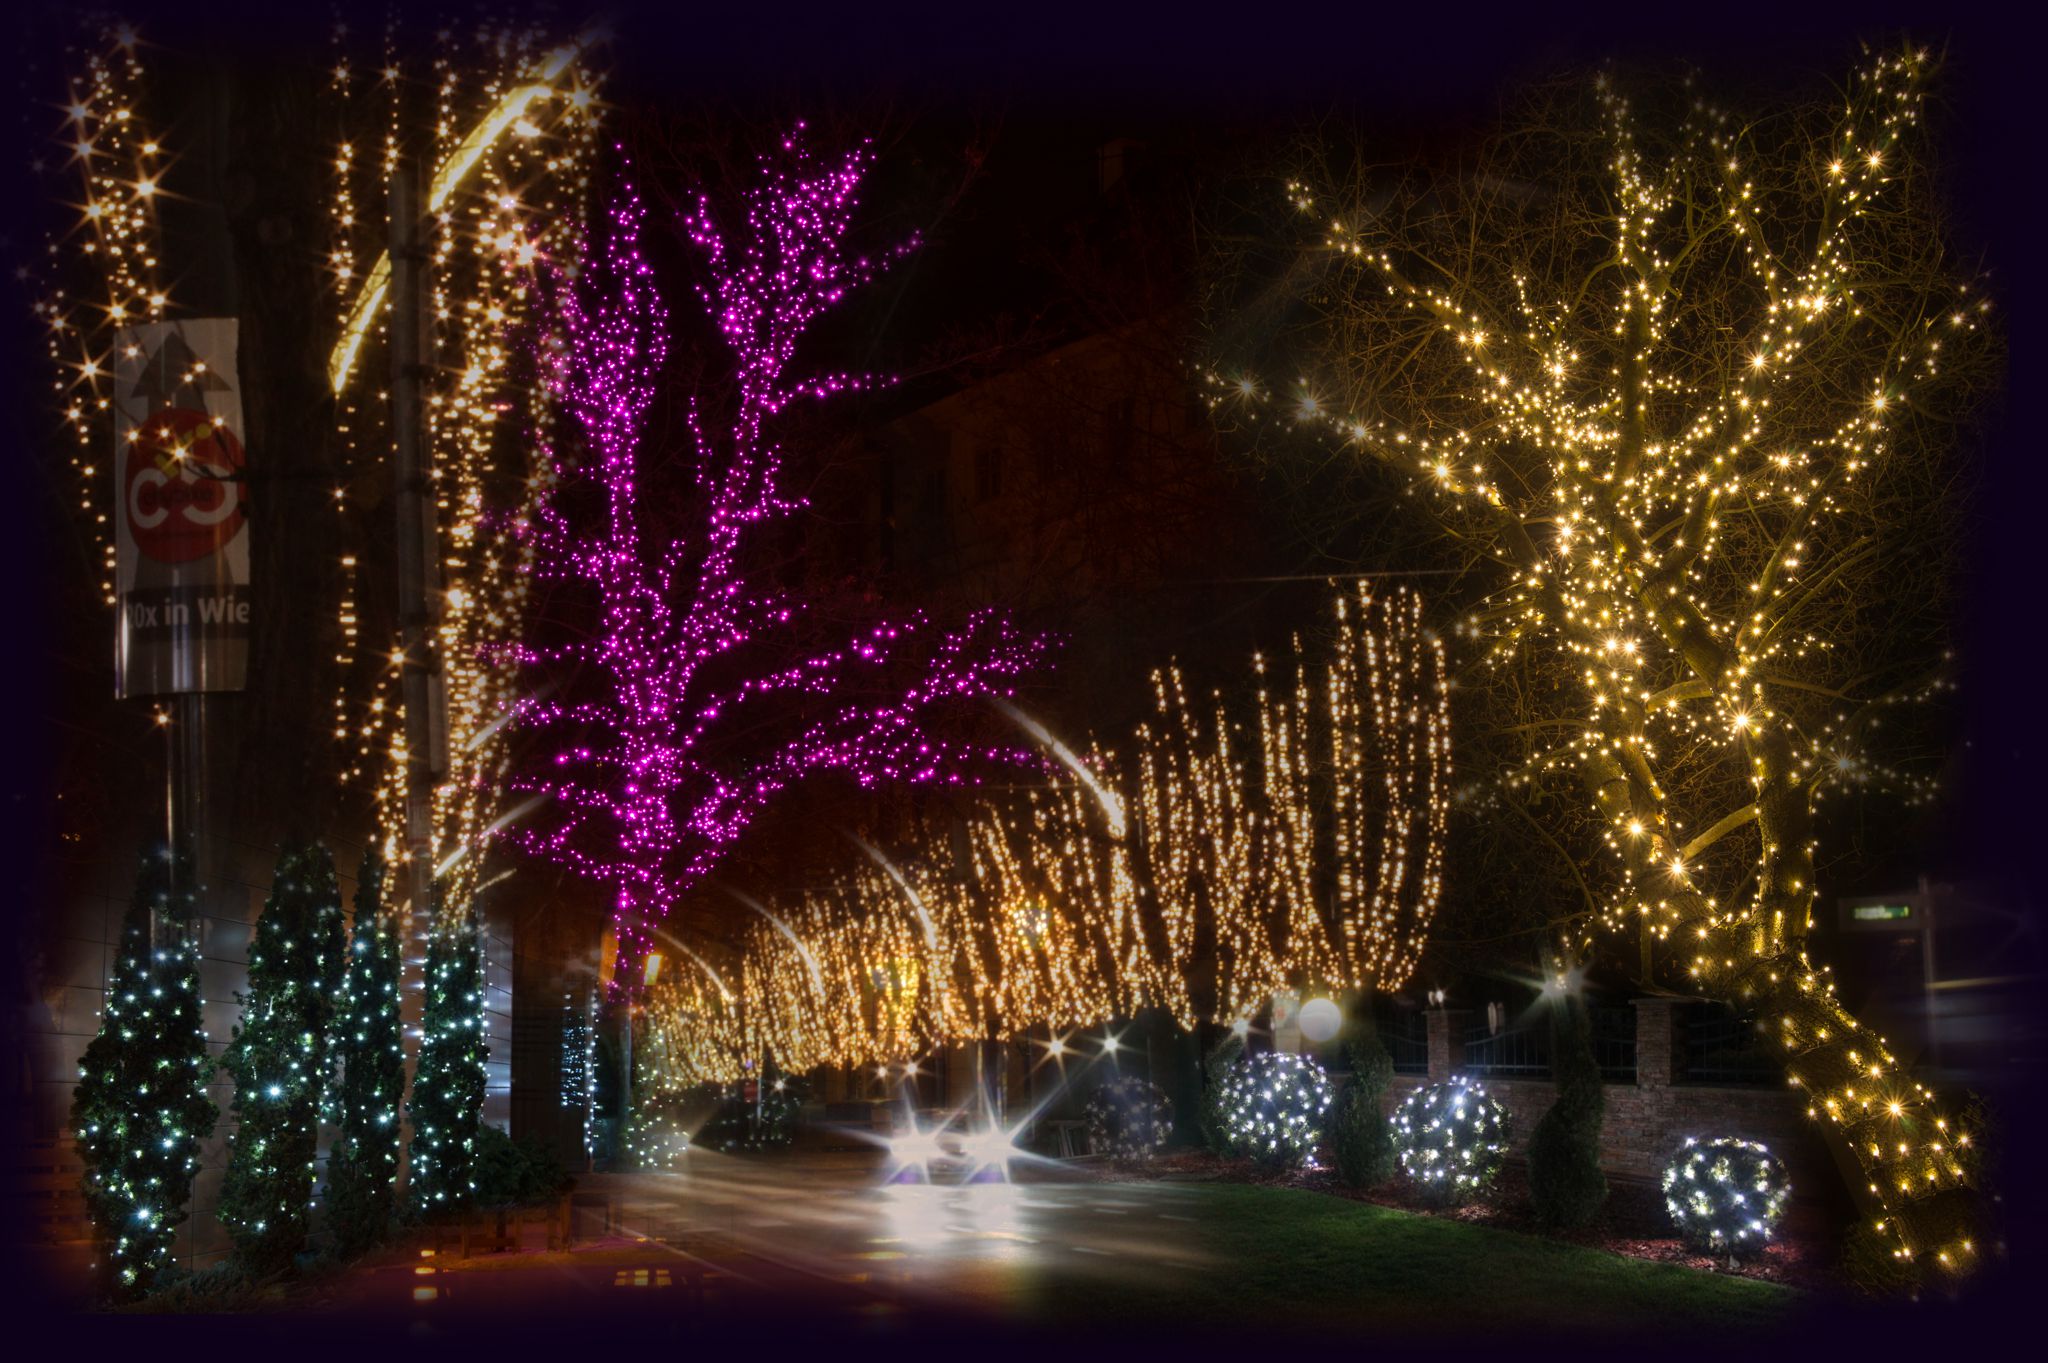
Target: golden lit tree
<point>1251,844</point>
<point>1684,386</point>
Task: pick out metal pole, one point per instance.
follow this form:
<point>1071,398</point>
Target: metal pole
<point>183,723</point>
<point>625,1087</point>
<point>415,616</point>
<point>1930,973</point>
<point>407,243</point>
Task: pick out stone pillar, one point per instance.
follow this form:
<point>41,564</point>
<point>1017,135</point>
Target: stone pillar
<point>1656,1042</point>
<point>1446,1042</point>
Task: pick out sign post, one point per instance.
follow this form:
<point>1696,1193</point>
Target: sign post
<point>181,537</point>
<point>181,541</point>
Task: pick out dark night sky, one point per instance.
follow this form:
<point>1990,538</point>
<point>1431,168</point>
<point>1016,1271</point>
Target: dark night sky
<point>1059,78</point>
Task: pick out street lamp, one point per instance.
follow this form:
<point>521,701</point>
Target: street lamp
<point>650,973</point>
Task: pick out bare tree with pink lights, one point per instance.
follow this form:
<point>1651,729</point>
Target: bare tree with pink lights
<point>695,698</point>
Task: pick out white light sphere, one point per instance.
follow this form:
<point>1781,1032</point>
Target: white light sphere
<point>1320,1019</point>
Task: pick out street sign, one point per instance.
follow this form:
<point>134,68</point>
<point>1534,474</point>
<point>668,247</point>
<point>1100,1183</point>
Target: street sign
<point>1880,913</point>
<point>181,510</point>
<point>1896,912</point>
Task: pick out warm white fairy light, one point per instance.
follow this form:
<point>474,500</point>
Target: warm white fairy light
<point>1683,413</point>
<point>104,149</point>
<point>1044,926</point>
<point>496,205</point>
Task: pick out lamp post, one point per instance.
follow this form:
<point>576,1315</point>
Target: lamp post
<point>651,974</point>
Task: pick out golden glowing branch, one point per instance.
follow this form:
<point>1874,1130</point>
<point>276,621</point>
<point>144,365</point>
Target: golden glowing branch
<point>509,113</point>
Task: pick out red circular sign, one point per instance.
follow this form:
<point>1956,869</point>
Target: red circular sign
<point>182,486</point>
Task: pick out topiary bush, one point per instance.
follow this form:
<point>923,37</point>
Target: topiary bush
<point>767,1123</point>
<point>1452,1139</point>
<point>1274,1107</point>
<point>141,1107</point>
<point>1215,1075</point>
<point>447,1100</point>
<point>1361,1138</point>
<point>1130,1118</point>
<point>1726,1195</point>
<point>1565,1181</point>
<point>509,1173</point>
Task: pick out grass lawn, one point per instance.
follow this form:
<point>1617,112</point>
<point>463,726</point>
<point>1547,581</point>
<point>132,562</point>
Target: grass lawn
<point>1286,1254</point>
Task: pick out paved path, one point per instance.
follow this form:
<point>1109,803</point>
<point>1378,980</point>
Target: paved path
<point>819,1234</point>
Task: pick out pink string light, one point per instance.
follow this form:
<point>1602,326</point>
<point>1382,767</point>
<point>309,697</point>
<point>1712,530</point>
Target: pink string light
<point>635,797</point>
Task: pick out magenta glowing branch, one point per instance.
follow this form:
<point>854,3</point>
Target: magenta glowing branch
<point>648,787</point>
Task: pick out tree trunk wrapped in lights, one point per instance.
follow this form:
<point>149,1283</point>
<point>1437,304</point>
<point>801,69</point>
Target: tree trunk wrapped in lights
<point>279,1059</point>
<point>508,137</point>
<point>1684,384</point>
<point>362,1169</point>
<point>448,1091</point>
<point>141,1107</point>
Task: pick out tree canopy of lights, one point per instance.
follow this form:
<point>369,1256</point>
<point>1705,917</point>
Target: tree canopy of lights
<point>141,1108</point>
<point>1683,382</point>
<point>646,787</point>
<point>506,119</point>
<point>362,1168</point>
<point>279,1061</point>
<point>1195,876</point>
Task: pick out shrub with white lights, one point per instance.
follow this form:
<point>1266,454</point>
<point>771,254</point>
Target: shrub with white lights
<point>141,1107</point>
<point>1274,1106</point>
<point>655,1138</point>
<point>1452,1139</point>
<point>362,1167</point>
<point>1130,1118</point>
<point>1726,1195</point>
<point>447,1100</point>
<point>279,1061</point>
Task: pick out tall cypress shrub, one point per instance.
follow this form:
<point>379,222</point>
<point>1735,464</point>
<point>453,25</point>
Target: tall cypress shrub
<point>141,1108</point>
<point>1215,1071</point>
<point>448,1092</point>
<point>278,1059</point>
<point>1360,1136</point>
<point>1565,1181</point>
<point>362,1169</point>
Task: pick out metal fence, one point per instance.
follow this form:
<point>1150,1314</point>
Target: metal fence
<point>1405,1032</point>
<point>1514,1052</point>
<point>1719,1046</point>
<point>1614,1041</point>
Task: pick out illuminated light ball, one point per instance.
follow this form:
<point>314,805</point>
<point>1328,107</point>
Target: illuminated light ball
<point>1726,1195</point>
<point>1274,1107</point>
<point>1129,1118</point>
<point>1452,1139</point>
<point>1320,1019</point>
